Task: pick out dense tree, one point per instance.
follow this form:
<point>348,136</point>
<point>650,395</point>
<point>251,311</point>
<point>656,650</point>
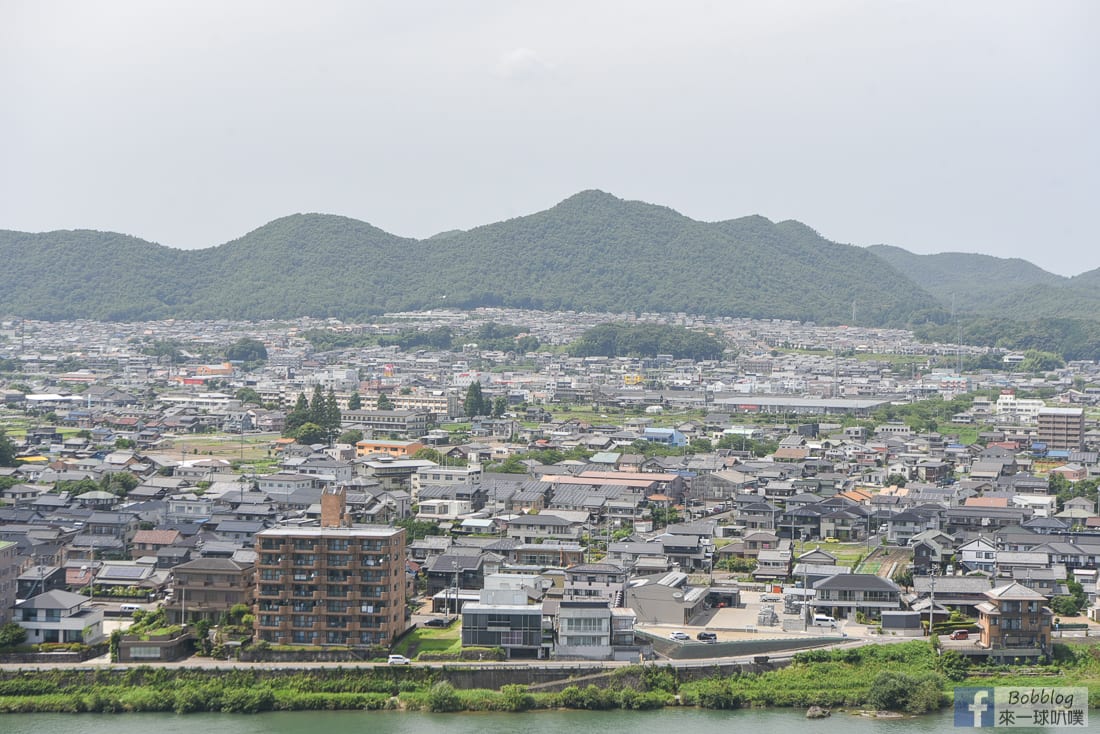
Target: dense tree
<point>166,350</point>
<point>247,350</point>
<point>248,395</point>
<point>355,401</point>
<point>7,450</point>
<point>299,415</point>
<point>646,340</point>
<point>310,433</point>
<point>1036,361</point>
<point>120,483</point>
<point>428,454</point>
<point>384,402</point>
<point>417,529</point>
<point>500,406</point>
<point>352,436</point>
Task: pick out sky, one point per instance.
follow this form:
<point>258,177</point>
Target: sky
<point>933,125</point>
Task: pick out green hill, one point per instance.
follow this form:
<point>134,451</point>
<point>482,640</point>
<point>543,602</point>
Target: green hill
<point>1004,287</point>
<point>974,282</point>
<point>592,251</point>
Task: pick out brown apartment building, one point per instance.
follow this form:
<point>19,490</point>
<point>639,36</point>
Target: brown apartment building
<point>1062,428</point>
<point>337,584</point>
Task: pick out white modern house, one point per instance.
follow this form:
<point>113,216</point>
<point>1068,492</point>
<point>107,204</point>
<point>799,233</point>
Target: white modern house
<point>60,616</point>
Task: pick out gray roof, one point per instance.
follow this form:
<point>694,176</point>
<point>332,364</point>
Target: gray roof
<point>857,582</point>
<point>56,599</point>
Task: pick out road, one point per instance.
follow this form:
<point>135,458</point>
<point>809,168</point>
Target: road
<point>593,666</point>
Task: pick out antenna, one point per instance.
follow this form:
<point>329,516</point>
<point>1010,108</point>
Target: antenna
<point>958,337</point>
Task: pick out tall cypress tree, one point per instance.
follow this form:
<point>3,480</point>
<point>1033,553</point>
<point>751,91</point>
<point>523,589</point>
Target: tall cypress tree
<point>475,403</point>
<point>332,415</point>
<point>317,406</point>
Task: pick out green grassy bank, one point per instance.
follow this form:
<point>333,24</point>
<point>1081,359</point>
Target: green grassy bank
<point>910,676</point>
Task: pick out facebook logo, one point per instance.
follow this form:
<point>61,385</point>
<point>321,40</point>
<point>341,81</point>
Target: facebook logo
<point>974,707</point>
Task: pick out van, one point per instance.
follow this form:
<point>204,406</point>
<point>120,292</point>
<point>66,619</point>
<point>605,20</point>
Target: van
<point>824,620</point>
<point>129,608</point>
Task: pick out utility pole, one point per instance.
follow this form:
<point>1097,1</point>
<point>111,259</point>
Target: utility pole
<point>931,599</point>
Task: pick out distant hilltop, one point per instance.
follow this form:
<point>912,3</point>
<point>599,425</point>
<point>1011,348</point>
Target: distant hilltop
<point>592,252</point>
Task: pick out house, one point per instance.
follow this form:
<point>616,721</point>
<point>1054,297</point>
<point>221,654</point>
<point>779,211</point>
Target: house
<point>461,568</point>
<point>37,580</point>
<point>544,526</point>
<point>207,588</point>
<point>60,616</point>
<point>149,542</point>
<point>503,618</point>
<point>1015,623</point>
<point>979,554</point>
<point>962,592</point>
<point>773,564</point>
<point>603,582</point>
<point>846,595</point>
<point>931,549</point>
<point>591,630</point>
<point>665,598</point>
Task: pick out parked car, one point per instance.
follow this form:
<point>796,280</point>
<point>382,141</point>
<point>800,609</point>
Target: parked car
<point>960,635</point>
<point>706,637</point>
<point>831,539</point>
<point>437,622</point>
<point>398,660</point>
<point>679,636</point>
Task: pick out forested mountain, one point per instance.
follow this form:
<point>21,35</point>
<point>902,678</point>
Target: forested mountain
<point>592,251</point>
<point>972,281</point>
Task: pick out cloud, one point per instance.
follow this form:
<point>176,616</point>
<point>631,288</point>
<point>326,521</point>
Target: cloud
<point>522,63</point>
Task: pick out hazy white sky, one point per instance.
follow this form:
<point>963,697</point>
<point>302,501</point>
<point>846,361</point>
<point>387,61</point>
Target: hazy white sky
<point>936,126</point>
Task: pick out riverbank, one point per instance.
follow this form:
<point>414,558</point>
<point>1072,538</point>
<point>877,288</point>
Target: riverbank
<point>910,677</point>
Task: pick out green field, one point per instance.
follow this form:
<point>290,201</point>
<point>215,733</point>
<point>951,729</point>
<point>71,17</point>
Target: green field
<point>431,640</point>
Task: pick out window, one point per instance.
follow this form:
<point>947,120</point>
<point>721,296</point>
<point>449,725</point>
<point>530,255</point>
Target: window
<point>145,652</point>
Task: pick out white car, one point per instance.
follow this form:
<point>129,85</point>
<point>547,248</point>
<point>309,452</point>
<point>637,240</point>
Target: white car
<point>398,660</point>
<point>679,636</point>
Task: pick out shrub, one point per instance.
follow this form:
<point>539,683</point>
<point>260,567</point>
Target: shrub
<point>443,698</point>
<point>953,665</point>
<point>515,698</point>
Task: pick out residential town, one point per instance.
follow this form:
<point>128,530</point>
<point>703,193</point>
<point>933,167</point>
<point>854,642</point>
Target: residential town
<point>588,508</point>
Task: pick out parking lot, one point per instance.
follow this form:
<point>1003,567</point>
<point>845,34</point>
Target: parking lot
<point>740,623</point>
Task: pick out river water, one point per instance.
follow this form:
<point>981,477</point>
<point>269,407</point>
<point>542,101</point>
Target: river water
<point>667,721</point>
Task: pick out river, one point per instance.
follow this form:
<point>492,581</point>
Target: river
<point>667,721</point>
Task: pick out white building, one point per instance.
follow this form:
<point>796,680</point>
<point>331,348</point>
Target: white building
<point>60,616</point>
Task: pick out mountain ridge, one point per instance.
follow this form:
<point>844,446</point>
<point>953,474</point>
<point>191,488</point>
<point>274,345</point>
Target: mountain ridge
<point>591,251</point>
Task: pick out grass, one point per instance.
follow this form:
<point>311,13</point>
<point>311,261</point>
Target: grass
<point>847,554</point>
<point>431,640</point>
<point>229,446</point>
